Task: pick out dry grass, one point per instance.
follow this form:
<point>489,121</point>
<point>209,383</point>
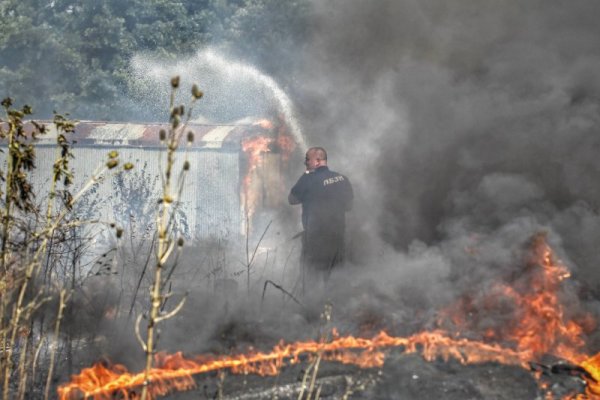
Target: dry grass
<point>31,239</point>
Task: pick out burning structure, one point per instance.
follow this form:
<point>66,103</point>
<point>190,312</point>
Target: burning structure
<point>236,172</point>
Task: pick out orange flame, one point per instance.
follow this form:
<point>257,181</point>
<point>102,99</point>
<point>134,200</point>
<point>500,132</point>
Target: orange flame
<point>592,366</point>
<point>540,325</point>
<point>277,140</point>
<point>254,148</point>
<point>540,328</point>
<point>174,372</point>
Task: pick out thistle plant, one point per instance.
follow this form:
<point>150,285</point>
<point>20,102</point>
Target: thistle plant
<point>26,238</point>
<point>20,160</point>
<point>172,183</point>
<point>15,272</point>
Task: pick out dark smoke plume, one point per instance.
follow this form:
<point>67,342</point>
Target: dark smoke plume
<point>462,121</point>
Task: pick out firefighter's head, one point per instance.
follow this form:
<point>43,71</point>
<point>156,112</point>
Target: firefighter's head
<point>315,157</point>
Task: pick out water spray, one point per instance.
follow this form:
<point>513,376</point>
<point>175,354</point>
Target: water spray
<point>209,68</point>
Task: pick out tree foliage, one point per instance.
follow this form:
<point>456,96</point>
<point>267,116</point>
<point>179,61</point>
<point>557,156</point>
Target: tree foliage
<point>74,55</point>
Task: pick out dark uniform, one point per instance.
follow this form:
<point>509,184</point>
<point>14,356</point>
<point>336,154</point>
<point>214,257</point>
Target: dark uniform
<point>326,196</point>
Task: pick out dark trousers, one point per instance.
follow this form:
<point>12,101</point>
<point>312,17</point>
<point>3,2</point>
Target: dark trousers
<point>321,253</point>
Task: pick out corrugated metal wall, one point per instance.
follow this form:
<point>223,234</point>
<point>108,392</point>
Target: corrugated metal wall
<point>209,203</point>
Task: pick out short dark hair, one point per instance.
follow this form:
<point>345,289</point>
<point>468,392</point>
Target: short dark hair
<point>321,153</point>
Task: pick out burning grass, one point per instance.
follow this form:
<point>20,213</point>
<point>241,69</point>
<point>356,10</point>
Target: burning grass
<point>540,328</point>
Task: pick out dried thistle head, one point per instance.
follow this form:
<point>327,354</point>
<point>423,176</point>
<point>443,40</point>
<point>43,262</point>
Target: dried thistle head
<point>196,92</point>
<point>177,113</point>
<point>175,82</point>
<point>113,162</point>
<point>190,136</point>
<point>16,114</point>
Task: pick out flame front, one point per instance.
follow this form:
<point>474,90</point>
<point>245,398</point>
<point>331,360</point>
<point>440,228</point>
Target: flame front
<point>538,324</point>
<point>540,328</point>
<point>174,372</point>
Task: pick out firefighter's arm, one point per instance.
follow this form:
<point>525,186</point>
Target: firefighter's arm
<point>293,199</point>
<point>296,194</point>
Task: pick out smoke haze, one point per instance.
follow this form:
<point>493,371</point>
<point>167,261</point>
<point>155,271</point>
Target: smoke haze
<point>461,122</point>
<point>466,128</point>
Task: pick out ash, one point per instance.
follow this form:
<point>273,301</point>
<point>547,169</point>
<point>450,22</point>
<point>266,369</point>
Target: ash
<point>403,377</point>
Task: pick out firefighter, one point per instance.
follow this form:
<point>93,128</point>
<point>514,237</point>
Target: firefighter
<point>325,196</point>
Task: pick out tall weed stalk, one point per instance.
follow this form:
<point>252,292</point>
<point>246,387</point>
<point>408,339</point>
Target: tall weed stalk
<point>26,237</point>
<point>172,183</point>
